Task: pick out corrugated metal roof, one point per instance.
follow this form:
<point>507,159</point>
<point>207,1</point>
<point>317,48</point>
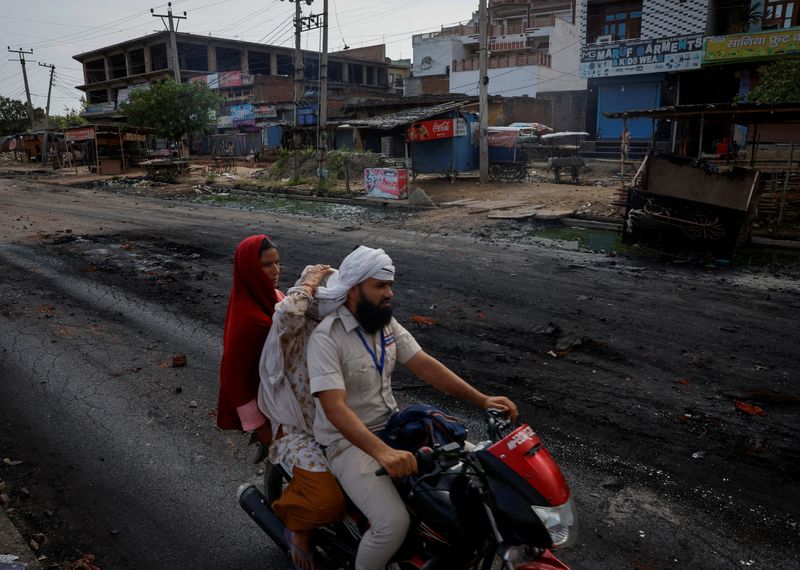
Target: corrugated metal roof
<point>394,120</point>
<point>755,112</point>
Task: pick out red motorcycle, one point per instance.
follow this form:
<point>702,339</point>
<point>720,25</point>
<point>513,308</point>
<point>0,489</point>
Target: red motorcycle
<point>473,506</point>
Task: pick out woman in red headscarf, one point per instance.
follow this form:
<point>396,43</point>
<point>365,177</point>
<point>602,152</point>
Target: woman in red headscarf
<point>256,268</point>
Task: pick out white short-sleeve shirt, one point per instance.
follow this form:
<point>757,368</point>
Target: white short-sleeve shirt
<point>339,360</point>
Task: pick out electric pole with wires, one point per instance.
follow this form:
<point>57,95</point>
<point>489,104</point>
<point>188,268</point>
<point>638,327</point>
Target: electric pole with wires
<point>21,53</point>
<point>45,151</point>
<point>172,28</point>
<point>483,95</point>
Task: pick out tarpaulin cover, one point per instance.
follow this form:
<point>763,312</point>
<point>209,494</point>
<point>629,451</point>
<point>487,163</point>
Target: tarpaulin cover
<point>503,138</point>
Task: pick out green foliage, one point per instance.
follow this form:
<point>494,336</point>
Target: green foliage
<point>72,118</point>
<point>14,116</point>
<point>779,81</point>
<point>211,178</point>
<point>172,110</point>
<point>742,16</point>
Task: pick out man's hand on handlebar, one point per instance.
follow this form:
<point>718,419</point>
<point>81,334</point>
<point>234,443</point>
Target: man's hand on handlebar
<point>397,463</point>
<point>501,403</point>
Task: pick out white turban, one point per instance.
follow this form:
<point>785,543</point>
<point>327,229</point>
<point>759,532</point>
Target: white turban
<point>362,263</point>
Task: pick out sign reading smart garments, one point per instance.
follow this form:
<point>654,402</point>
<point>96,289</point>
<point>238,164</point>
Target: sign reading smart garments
<point>735,47</point>
<point>642,56</point>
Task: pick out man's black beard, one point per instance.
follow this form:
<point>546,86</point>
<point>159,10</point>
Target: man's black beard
<point>372,317</point>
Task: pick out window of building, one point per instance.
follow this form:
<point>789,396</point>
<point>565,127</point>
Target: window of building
<point>100,96</point>
<point>229,59</point>
<point>95,71</point>
<point>780,14</point>
<point>335,71</point>
<point>193,57</point>
<point>371,79</point>
<point>158,57</point>
<point>258,62</point>
<point>285,65</point>
<point>614,21</point>
<point>621,25</point>
<point>356,73</point>
<point>117,66</point>
<point>136,61</point>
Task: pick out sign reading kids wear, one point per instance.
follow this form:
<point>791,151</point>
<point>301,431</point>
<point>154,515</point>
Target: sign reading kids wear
<point>641,56</point>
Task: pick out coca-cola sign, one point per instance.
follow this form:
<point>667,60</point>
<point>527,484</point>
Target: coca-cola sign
<point>431,130</point>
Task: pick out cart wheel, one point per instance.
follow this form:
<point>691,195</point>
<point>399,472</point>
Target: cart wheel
<point>705,228</point>
<point>519,173</point>
<point>494,172</point>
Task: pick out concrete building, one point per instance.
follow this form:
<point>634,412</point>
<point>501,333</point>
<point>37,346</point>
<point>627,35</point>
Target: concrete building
<point>533,51</point>
<point>642,54</point>
<point>245,73</point>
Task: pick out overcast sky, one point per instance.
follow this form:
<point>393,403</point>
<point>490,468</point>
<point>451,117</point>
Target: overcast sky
<point>58,29</point>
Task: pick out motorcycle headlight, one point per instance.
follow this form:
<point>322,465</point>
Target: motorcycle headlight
<point>560,522</point>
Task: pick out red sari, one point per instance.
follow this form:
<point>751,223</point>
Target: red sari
<point>247,323</point>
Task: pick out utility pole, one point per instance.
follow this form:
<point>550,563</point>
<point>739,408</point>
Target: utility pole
<point>45,151</point>
<point>172,28</point>
<point>298,87</point>
<point>49,90</point>
<point>22,54</point>
<point>483,94</point>
<point>323,95</point>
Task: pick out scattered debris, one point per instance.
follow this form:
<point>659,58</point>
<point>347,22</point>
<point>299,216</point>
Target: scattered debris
<point>179,361</point>
<point>126,245</point>
<point>423,320</point>
<point>11,462</point>
<point>193,404</point>
<point>750,409</point>
<point>698,454</point>
<point>85,562</point>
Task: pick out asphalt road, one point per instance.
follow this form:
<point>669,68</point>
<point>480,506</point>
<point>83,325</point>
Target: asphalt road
<point>629,370</point>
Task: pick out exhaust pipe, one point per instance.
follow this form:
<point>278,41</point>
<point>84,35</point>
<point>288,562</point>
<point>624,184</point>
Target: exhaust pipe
<point>255,504</point>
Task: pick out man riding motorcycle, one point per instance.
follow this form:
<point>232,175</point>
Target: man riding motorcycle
<point>351,356</point>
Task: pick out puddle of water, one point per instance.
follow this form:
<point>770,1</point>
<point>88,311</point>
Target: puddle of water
<point>579,238</point>
<point>307,208</point>
<point>762,256</point>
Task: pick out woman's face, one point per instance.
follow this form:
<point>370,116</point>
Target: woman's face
<point>271,264</point>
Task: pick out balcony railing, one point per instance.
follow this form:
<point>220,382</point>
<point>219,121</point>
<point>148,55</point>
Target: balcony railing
<point>541,58</point>
<point>472,29</point>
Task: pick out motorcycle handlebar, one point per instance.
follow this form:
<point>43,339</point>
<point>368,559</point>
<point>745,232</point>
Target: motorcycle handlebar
<point>425,459</point>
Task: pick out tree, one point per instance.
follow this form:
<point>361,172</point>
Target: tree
<point>71,118</point>
<point>14,116</point>
<point>779,81</point>
<point>172,110</point>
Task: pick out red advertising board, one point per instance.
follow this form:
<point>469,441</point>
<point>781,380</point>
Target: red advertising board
<point>82,134</point>
<point>430,130</point>
<point>230,79</point>
<point>389,183</point>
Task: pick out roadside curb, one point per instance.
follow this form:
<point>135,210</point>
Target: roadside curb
<point>15,554</point>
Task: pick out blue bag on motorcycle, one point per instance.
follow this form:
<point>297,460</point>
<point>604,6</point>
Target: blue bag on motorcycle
<point>421,425</point>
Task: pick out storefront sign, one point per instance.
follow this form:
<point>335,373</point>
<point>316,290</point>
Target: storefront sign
<point>133,137</point>
<point>230,79</point>
<point>242,115</point>
<point>225,122</point>
<point>389,183</point>
<point>439,129</point>
<point>266,112</point>
<point>736,47</point>
<point>642,56</point>
<point>83,134</point>
<point>212,80</point>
